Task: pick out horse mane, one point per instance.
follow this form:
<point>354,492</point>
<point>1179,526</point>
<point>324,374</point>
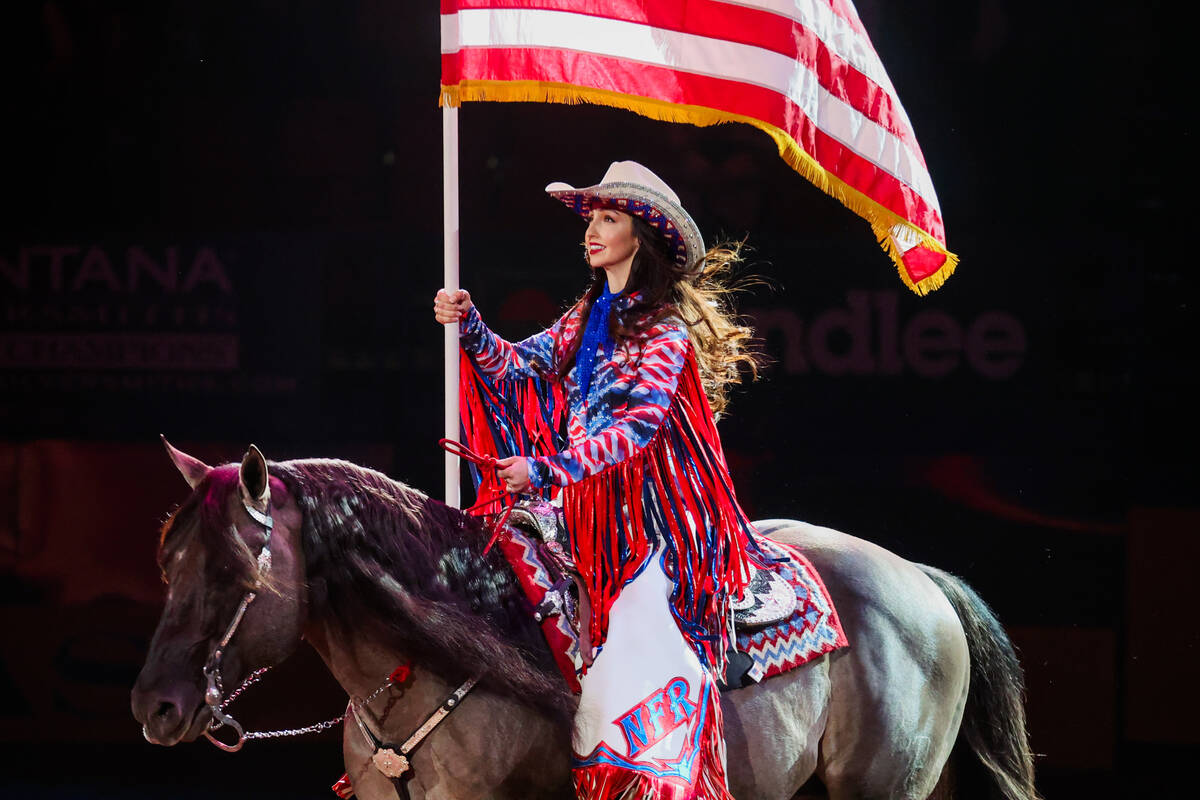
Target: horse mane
<point>383,555</point>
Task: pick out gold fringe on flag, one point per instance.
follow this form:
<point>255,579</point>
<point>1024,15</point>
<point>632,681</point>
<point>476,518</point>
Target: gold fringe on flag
<point>881,219</point>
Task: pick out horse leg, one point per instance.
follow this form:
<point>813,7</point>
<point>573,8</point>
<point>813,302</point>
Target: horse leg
<point>773,730</point>
<point>992,757</point>
<point>897,693</point>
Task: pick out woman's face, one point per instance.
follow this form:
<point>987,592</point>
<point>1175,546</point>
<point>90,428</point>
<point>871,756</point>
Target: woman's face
<point>610,240</point>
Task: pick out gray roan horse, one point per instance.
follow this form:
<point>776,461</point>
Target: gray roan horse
<point>927,700</point>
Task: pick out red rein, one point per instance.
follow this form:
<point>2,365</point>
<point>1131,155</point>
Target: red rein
<point>483,462</point>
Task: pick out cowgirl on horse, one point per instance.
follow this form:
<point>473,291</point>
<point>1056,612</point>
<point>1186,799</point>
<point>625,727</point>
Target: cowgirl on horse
<point>926,703</point>
<point>638,366</point>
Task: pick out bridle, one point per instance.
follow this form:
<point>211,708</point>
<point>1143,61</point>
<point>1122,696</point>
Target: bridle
<point>386,759</point>
<point>212,666</point>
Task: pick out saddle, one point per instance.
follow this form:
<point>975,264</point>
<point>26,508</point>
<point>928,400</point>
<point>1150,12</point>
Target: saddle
<point>784,619</point>
<point>767,599</point>
<point>542,522</point>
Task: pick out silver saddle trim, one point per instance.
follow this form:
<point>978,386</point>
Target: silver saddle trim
<point>542,521</point>
<point>767,599</point>
<point>539,518</point>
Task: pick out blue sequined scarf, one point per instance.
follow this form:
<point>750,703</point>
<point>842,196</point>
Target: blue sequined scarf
<point>597,332</point>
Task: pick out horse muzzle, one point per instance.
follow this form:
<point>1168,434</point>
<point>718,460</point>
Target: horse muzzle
<point>169,717</point>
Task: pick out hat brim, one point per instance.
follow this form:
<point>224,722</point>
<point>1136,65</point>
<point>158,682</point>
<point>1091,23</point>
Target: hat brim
<point>663,214</point>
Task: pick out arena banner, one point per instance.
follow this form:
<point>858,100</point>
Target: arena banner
<point>803,71</point>
<point>131,336</point>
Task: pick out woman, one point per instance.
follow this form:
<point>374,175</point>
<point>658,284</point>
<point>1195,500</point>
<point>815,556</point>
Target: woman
<point>638,367</point>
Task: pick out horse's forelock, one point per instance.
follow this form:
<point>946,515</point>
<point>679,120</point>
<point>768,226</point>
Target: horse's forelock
<point>201,526</point>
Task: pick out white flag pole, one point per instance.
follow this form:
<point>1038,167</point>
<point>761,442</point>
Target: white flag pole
<point>450,281</point>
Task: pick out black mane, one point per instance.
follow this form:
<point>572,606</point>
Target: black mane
<point>382,554</point>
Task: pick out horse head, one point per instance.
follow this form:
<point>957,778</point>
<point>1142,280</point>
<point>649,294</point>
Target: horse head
<point>211,555</point>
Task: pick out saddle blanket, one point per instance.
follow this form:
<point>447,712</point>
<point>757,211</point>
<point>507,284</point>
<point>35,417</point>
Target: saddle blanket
<point>810,631</point>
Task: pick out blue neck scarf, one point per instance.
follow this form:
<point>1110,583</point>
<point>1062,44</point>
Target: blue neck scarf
<point>597,332</point>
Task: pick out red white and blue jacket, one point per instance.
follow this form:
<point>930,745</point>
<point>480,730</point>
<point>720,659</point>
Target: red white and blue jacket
<point>627,401</point>
<point>642,467</point>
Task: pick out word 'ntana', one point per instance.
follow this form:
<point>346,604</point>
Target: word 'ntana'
<point>61,268</point>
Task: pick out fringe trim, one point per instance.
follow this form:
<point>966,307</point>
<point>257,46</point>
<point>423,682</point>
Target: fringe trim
<point>509,417</point>
<point>610,782</point>
<point>681,481</point>
<point>881,218</point>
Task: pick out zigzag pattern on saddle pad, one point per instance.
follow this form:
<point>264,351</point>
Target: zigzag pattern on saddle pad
<point>812,630</point>
<point>520,550</point>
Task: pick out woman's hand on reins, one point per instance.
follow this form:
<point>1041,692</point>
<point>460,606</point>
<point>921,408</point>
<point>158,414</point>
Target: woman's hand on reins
<point>514,471</point>
<point>449,307</point>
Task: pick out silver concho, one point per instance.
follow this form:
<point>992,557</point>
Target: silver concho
<point>390,763</point>
<point>767,599</point>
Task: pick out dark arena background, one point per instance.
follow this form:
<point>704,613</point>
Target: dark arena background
<point>222,222</point>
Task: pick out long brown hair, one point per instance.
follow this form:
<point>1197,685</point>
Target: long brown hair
<point>699,294</point>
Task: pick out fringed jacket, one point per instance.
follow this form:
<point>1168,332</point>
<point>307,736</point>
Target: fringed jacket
<point>627,400</point>
<point>642,464</point>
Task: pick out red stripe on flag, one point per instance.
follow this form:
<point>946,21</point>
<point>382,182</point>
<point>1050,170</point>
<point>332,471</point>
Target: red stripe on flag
<point>733,23</point>
<point>630,9</point>
<point>672,86</point>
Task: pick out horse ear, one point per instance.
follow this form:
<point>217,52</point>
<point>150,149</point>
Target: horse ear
<point>193,470</point>
<point>252,477</point>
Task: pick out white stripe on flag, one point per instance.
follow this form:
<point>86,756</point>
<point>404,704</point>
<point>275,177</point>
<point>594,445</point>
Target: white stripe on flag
<point>520,28</point>
<point>837,34</point>
<point>450,33</point>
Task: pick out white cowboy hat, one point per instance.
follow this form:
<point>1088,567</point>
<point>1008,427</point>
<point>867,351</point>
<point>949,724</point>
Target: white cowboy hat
<point>630,187</point>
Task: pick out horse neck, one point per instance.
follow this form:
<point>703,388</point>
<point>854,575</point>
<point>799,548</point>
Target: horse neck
<point>362,667</point>
<point>358,661</point>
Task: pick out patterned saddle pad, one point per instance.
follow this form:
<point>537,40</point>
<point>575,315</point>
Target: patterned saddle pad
<point>786,619</point>
<point>812,628</point>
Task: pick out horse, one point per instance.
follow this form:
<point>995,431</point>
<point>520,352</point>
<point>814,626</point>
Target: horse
<point>926,702</point>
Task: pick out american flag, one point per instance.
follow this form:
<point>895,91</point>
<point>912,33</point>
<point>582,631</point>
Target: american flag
<point>803,71</point>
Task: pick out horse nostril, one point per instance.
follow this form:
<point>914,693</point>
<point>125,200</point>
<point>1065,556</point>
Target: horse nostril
<point>165,710</point>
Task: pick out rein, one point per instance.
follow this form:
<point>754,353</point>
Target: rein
<point>386,759</point>
<point>485,462</point>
